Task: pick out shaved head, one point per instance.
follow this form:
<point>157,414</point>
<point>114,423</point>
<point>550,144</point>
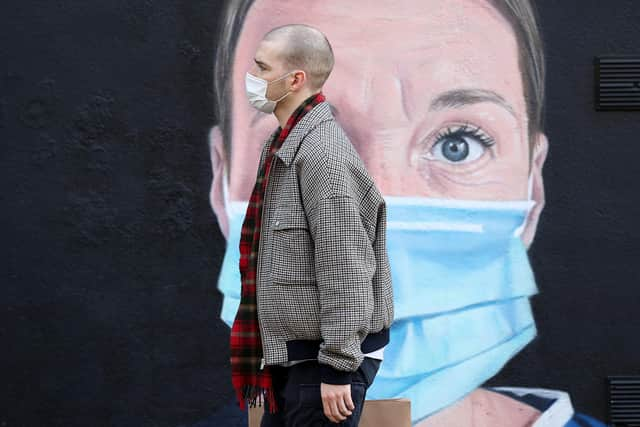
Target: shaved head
<point>306,48</point>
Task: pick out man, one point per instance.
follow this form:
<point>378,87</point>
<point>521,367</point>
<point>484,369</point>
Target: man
<point>442,99</point>
<point>316,282</point>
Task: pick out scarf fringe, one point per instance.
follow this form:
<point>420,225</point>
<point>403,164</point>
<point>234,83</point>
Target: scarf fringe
<point>253,396</point>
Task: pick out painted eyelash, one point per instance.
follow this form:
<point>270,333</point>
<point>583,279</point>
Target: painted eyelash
<point>466,130</point>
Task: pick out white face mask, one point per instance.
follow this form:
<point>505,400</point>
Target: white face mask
<point>256,89</point>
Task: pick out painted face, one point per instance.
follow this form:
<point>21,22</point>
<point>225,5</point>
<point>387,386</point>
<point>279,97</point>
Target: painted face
<point>430,93</point>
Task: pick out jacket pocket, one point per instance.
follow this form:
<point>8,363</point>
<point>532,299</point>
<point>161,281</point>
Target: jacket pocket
<point>295,310</point>
<point>292,260</point>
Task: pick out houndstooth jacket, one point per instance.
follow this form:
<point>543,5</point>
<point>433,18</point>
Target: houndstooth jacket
<point>324,281</point>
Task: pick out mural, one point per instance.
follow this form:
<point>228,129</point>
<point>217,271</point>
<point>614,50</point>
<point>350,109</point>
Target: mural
<point>443,100</point>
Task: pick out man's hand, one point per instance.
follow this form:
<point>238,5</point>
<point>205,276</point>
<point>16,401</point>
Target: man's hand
<point>336,401</point>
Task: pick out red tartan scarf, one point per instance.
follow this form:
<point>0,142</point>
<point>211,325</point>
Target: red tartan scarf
<point>250,378</point>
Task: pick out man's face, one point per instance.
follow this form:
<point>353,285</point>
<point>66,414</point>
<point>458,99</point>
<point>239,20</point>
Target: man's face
<point>429,91</point>
<point>268,65</point>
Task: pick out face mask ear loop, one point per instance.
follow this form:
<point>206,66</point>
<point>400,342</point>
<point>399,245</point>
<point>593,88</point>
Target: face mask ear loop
<point>282,97</point>
<point>232,208</point>
<point>225,192</point>
<point>518,231</point>
<point>277,80</point>
<point>280,78</point>
<point>530,187</point>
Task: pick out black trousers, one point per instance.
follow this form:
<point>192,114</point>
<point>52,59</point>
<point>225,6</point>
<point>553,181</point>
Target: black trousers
<point>297,391</point>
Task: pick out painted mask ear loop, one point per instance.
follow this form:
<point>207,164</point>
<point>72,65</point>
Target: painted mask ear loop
<point>232,208</point>
<point>229,281</point>
<point>518,231</point>
<point>225,191</point>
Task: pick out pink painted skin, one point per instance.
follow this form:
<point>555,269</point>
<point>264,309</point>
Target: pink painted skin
<point>393,61</point>
<point>483,408</point>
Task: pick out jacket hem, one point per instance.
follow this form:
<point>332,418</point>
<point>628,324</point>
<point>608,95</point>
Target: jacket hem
<point>308,349</point>
<point>331,375</point>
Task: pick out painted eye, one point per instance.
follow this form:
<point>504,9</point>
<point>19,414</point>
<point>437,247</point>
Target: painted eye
<point>462,145</point>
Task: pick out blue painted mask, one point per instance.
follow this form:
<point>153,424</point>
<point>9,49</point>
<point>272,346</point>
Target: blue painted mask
<point>229,282</point>
<point>462,282</point>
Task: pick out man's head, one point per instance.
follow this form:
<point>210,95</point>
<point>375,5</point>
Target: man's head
<point>295,60</point>
<point>441,98</point>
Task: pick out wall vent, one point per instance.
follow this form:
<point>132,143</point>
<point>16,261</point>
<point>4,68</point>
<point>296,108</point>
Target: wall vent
<point>624,401</point>
<point>617,83</point>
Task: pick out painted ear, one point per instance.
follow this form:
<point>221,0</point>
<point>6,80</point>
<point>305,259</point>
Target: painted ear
<point>216,193</point>
<point>540,150</point>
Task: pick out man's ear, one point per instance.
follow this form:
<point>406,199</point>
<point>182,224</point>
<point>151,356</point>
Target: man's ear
<point>539,155</point>
<point>299,80</point>
<point>216,193</point>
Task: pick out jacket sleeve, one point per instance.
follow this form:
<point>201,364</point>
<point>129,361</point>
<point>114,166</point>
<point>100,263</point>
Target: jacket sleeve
<point>344,265</point>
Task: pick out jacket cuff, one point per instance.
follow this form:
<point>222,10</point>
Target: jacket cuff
<point>330,375</point>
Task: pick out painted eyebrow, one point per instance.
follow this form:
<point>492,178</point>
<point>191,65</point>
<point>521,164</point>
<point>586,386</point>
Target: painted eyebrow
<point>458,98</point>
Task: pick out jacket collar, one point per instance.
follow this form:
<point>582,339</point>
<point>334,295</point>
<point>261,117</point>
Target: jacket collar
<point>318,114</point>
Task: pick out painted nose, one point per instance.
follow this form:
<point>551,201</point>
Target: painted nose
<point>388,133</point>
<point>384,100</point>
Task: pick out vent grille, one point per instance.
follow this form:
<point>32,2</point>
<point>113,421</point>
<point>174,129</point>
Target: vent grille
<point>618,83</point>
<point>624,401</point>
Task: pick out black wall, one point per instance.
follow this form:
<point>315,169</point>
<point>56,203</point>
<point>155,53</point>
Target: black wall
<point>111,252</point>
